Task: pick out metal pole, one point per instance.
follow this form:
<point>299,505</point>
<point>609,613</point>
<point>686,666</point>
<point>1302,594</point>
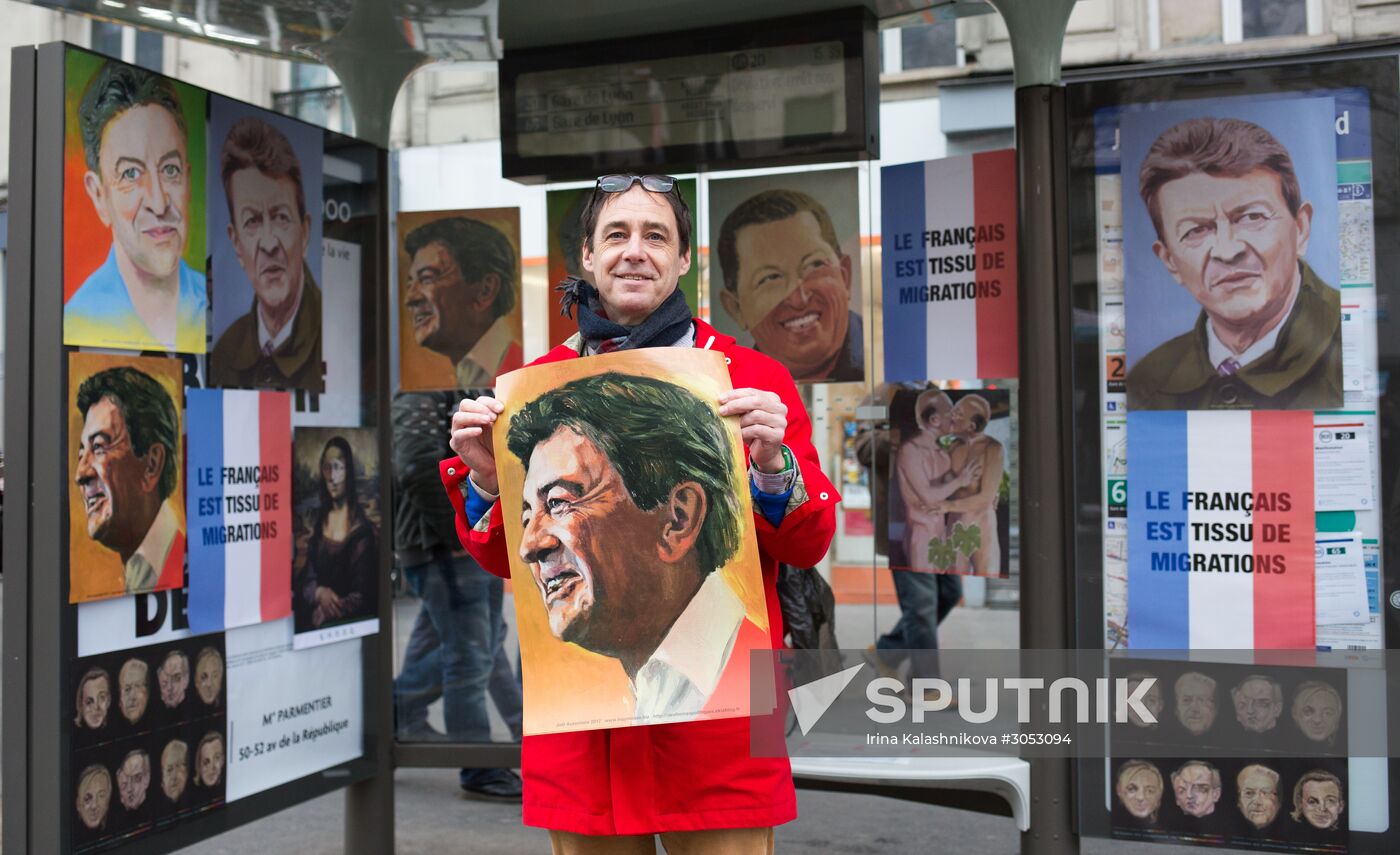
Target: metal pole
<point>18,312</point>
<point>1046,394</point>
<point>369,806</point>
<point>1037,31</point>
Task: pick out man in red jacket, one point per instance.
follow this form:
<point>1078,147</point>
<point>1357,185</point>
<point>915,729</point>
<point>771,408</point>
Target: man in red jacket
<point>697,784</point>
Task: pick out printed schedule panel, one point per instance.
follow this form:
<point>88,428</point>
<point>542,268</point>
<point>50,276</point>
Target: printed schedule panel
<point>1233,234</point>
<point>196,395</point>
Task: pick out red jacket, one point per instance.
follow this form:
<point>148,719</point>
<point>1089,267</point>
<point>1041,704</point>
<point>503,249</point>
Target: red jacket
<point>687,776</point>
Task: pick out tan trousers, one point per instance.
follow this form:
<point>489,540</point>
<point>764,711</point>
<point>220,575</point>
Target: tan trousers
<point>723,841</point>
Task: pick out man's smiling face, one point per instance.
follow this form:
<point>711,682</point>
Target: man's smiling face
<point>635,257</point>
<point>794,292</point>
<point>576,512</point>
<point>111,477</point>
<point>141,189</point>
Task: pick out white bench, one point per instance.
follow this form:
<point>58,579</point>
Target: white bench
<point>1007,777</point>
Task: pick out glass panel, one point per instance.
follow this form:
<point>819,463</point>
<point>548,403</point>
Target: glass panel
<point>107,39</point>
<point>929,45</point>
<point>1189,22</point>
<point>150,50</point>
<point>1148,583</point>
<point>1266,18</point>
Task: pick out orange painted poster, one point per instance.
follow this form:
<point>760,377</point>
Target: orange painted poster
<point>459,298</point>
<point>639,596</point>
<point>126,494</point>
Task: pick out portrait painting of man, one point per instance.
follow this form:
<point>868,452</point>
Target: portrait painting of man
<point>1258,702</point>
<point>633,533</point>
<point>1231,293</point>
<point>1196,702</point>
<point>134,212</point>
<point>786,270</point>
<point>265,216</point>
<point>459,298</point>
<point>1257,792</point>
<point>126,496</point>
<point>1196,784</point>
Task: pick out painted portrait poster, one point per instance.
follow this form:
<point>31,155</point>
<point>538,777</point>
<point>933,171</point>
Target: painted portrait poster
<point>126,494</point>
<point>459,298</point>
<point>1230,229</point>
<point>785,270</point>
<point>950,481</point>
<point>148,735</point>
<point>565,208</point>
<point>133,208</point>
<point>337,523</point>
<point>633,555</point>
<point>265,223</point>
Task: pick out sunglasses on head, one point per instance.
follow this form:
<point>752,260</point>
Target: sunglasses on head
<point>623,183</point>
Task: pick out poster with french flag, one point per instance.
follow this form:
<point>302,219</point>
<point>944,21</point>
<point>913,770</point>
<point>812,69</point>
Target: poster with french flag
<point>240,507</point>
<point>1221,530</point>
<point>948,249</point>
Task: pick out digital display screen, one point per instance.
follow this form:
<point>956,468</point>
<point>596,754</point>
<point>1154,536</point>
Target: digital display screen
<point>760,94</point>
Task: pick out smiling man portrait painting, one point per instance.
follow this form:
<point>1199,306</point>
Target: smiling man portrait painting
<point>139,176</point>
<point>628,510</point>
<point>128,529</point>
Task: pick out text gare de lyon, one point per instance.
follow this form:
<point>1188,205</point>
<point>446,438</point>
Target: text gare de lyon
<point>969,262</point>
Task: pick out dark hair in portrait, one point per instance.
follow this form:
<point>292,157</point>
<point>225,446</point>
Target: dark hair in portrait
<point>254,144</point>
<point>1227,148</point>
<point>571,236</point>
<point>146,408</point>
<point>478,250</point>
<point>324,502</point>
<point>770,206</point>
<point>593,208</point>
<point>657,435</point>
<point>116,89</point>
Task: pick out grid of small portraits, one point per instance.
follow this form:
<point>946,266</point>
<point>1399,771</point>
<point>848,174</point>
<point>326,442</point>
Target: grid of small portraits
<point>148,739</point>
<point>1234,710</point>
<point>1250,756</point>
<point>1267,803</point>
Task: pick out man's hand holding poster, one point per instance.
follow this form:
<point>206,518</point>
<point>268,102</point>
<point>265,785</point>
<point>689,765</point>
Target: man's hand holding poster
<point>632,546</point>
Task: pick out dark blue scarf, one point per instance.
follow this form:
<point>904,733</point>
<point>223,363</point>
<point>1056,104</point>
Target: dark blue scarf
<point>662,328</point>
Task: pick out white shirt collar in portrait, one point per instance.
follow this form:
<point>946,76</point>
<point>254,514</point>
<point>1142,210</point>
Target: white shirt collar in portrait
<point>477,370</point>
<point>144,566</point>
<point>267,342</point>
<point>680,676</point>
<point>1219,352</point>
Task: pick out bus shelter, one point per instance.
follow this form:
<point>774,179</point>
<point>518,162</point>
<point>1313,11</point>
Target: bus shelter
<point>286,699</point>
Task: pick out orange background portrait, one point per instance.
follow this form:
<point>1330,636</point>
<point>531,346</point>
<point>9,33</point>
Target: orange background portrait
<point>421,369</point>
<point>86,240</point>
<point>568,687</point>
<point>94,571</point>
